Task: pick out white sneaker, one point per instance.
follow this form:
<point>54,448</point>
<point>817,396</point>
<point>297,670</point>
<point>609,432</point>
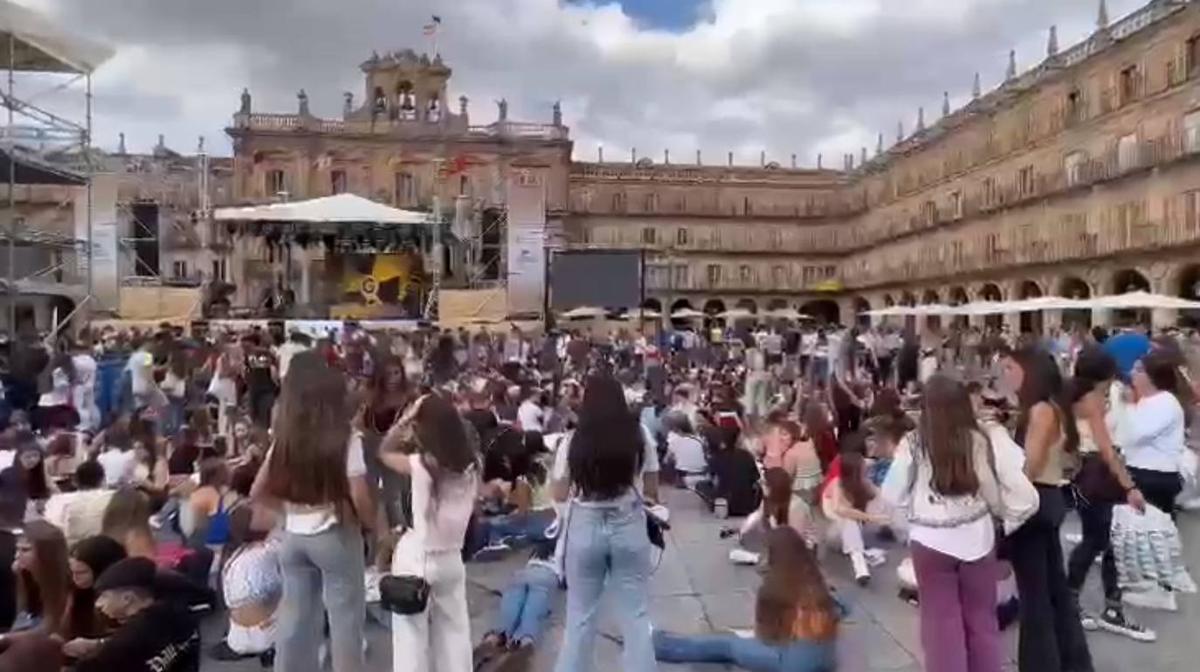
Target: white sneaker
<point>740,556</point>
<point>1114,621</point>
<point>862,571</point>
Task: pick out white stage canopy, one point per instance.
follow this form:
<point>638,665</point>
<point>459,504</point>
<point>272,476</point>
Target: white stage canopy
<point>1132,300</point>
<point>41,46</point>
<point>339,208</point>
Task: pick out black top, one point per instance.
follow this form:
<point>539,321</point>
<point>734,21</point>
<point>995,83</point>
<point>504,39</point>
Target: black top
<point>162,638</point>
<point>737,480</point>
<point>258,372</point>
<point>182,461</point>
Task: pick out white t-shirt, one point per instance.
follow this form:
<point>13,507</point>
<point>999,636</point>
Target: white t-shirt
<point>117,464</point>
<point>307,520</point>
<point>649,456</point>
<point>688,453</point>
<point>141,370</point>
<point>441,527</point>
<point>286,352</point>
<point>6,458</point>
<point>530,416</point>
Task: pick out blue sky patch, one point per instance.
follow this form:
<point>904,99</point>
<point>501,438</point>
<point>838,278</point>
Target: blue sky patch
<point>661,14</point>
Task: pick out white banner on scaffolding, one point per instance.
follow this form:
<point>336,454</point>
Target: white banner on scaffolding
<point>526,240</point>
<point>106,282</point>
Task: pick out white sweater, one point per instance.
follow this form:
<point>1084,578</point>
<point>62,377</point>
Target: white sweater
<point>1151,433</point>
<point>1005,493</point>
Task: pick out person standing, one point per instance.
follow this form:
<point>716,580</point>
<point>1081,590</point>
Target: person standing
<point>1103,482</point>
<point>316,473</point>
<point>1152,432</point>
<point>605,543</point>
<point>948,478</point>
<point>1051,637</point>
<point>445,480</point>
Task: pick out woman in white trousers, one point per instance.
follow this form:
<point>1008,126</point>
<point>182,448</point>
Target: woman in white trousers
<point>444,484</point>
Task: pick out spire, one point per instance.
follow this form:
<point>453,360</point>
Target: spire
<point>1052,43</point>
<point>899,132</point>
<point>976,88</point>
<point>920,119</point>
<point>1011,74</point>
<point>879,145</point>
<point>945,103</point>
<point>1102,17</point>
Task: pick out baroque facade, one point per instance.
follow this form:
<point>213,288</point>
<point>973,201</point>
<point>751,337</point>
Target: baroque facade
<point>1077,177</point>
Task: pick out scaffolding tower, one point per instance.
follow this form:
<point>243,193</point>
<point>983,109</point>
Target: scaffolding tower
<point>31,44</point>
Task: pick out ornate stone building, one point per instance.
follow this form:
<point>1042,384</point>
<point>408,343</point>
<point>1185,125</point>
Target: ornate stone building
<point>1077,177</point>
<point>401,145</point>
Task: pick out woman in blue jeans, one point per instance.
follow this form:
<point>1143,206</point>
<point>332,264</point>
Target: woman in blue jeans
<point>604,533</point>
<point>795,619</point>
<point>317,474</point>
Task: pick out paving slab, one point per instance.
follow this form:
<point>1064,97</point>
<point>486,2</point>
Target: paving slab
<point>695,589</point>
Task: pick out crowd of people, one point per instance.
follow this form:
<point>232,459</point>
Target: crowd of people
<point>284,482</point>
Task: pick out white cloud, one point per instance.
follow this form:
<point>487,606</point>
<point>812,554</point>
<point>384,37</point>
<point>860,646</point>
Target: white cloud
<point>787,76</point>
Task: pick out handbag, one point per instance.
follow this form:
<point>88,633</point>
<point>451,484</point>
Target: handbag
<point>1096,482</point>
<point>405,595</point>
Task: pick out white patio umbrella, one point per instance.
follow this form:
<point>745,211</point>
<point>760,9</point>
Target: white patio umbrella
<point>1141,300</point>
<point>584,313</point>
<point>736,314</point>
<point>686,314</point>
<point>787,314</point>
<point>646,313</point>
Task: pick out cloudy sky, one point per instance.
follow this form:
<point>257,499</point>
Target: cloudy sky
<point>784,76</point>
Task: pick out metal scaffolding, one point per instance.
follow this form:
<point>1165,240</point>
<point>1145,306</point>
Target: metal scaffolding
<point>35,45</point>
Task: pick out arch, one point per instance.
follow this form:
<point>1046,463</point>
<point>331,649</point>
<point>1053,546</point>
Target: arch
<point>748,304</point>
<point>825,311</point>
<point>1187,286</point>
<point>1032,321</point>
<point>1072,287</point>
<point>777,304</point>
<point>680,304</point>
<point>990,291</point>
<point>907,299</point>
<point>714,306</point>
<point>861,305</point>
<point>652,304</point>
<point>1130,280</point>
<point>888,301</point>
<point>928,298</point>
<point>959,297</point>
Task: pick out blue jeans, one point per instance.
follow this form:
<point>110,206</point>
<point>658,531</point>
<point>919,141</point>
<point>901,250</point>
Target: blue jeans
<point>607,547</point>
<point>748,654</point>
<point>516,526</point>
<point>525,605</point>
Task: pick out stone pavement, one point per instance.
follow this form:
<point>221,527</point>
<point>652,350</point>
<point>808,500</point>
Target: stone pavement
<point>695,589</point>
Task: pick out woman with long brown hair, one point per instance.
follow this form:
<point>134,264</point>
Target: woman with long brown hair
<point>1051,637</point>
<point>316,473</point>
<point>849,502</point>
<point>795,619</point>
<point>384,400</point>
<point>948,481</point>
<point>779,508</point>
<point>43,578</point>
<point>445,481</point>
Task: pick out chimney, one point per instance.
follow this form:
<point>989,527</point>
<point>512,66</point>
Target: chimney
<point>121,145</point>
<point>793,161</point>
<point>1102,17</point>
<point>879,145</point>
<point>762,159</point>
<point>1011,74</point>
<point>920,119</point>
<point>698,161</point>
<point>976,89</point>
<point>633,156</point>
<point>1052,43</point>
<point>600,154</point>
<point>819,166</point>
<point>666,157</point>
<point>899,132</point>
<point>945,103</point>
<point>731,159</point>
<point>862,161</point>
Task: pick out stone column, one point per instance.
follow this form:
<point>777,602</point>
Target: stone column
<point>305,293</point>
<point>1161,318</point>
<point>1102,317</point>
